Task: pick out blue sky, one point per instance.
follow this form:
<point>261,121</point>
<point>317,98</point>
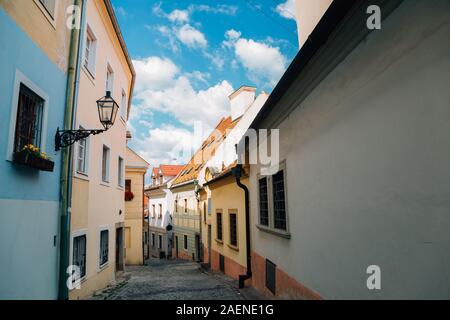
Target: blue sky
<point>190,55</point>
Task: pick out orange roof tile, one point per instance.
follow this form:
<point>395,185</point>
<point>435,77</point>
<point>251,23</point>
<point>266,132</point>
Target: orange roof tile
<point>206,151</point>
<point>171,170</point>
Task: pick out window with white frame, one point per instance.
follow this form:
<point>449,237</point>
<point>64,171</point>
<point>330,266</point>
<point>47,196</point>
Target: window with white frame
<point>90,51</point>
<point>120,172</point>
<point>272,200</point>
<point>30,111</point>
<point>109,79</point>
<point>153,211</point>
<point>160,211</point>
<point>79,254</point>
<point>104,247</point>
<point>82,155</point>
<point>105,163</point>
<point>123,105</point>
<point>49,6</point>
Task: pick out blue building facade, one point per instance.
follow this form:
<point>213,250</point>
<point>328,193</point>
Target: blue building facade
<point>29,198</point>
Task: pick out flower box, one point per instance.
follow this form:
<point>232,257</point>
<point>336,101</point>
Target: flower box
<point>129,195</point>
<point>33,161</point>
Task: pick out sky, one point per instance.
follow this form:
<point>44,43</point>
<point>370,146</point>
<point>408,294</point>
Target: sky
<point>190,55</point>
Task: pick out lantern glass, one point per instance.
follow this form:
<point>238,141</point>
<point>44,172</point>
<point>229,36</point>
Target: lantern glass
<point>107,110</point>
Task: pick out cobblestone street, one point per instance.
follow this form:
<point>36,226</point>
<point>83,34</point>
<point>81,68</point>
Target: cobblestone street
<point>172,280</point>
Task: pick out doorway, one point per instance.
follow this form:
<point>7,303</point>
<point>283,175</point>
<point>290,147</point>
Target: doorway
<point>209,245</point>
<point>198,248</point>
<point>119,249</point>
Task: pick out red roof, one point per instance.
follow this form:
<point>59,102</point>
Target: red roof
<point>171,170</point>
<point>168,170</point>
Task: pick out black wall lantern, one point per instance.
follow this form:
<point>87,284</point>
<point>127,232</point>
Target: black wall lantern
<point>107,112</point>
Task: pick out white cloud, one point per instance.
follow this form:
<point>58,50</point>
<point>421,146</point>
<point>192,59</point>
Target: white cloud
<point>161,87</point>
<point>264,63</point>
<point>191,37</point>
<point>261,60</point>
<point>200,76</point>
<point>221,8</point>
<point>163,145</point>
<point>179,16</point>
<point>154,73</point>
<point>230,37</point>
<point>287,9</point>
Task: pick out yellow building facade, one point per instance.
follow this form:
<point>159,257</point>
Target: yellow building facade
<point>224,225</point>
<point>135,171</point>
<point>98,205</point>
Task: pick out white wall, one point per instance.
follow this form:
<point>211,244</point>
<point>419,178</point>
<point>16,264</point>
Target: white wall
<point>368,173</point>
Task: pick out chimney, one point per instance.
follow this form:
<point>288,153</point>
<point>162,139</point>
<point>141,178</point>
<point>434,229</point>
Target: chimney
<point>240,100</point>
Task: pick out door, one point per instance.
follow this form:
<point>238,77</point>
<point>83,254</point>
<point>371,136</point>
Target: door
<point>209,245</point>
<point>119,249</point>
<point>198,248</point>
<point>176,246</point>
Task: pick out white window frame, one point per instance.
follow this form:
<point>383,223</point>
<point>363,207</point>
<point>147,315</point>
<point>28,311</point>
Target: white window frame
<point>73,235</point>
<point>108,165</point>
<point>84,173</point>
<point>92,54</point>
<point>20,78</point>
<point>123,105</point>
<point>121,172</point>
<point>51,18</point>
<point>100,230</point>
<point>109,83</point>
<point>271,228</point>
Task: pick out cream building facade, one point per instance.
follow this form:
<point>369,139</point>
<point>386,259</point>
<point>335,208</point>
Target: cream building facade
<point>135,170</point>
<point>98,206</point>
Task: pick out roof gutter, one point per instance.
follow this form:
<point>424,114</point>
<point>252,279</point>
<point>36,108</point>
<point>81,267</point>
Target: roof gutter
<point>237,173</point>
<point>113,18</point>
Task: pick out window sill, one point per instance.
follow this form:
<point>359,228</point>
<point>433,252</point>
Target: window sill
<point>89,75</point>
<point>235,248</point>
<point>280,233</point>
<point>103,266</point>
<point>82,280</point>
<point>105,184</point>
<point>81,176</point>
<point>219,241</point>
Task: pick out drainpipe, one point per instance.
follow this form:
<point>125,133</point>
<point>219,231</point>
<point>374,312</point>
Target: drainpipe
<point>237,173</point>
<point>66,167</point>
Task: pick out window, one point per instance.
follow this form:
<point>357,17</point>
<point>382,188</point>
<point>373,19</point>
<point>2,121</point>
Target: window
<point>233,229</point>
<point>204,212</point>
<point>185,242</point>
<point>82,155</point>
<point>49,6</point>
<point>128,185</point>
<point>90,49</point>
<point>219,225</point>
<point>120,172</point>
<point>279,201</point>
<point>160,211</point>
<point>160,242</point>
<point>123,105</point>
<point>153,211</point>
<point>105,164</point>
<point>109,79</point>
<point>176,206</point>
<point>104,240</point>
<point>185,205</point>
<point>153,240</point>
<point>79,254</point>
<point>272,203</point>
<point>263,203</point>
<point>30,110</point>
<point>209,205</point>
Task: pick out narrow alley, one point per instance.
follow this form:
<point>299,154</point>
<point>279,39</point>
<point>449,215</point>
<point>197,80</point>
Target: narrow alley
<point>171,280</point>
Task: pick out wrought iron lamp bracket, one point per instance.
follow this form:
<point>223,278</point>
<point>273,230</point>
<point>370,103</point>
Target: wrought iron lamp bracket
<point>65,138</point>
